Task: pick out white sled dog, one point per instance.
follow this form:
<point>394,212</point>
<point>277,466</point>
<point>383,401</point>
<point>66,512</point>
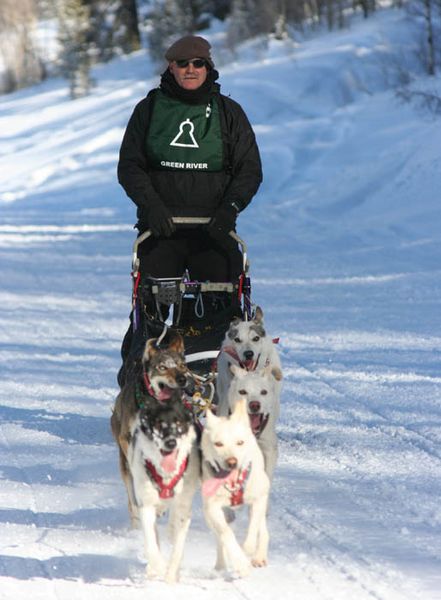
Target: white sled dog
<point>259,389</point>
<point>165,469</point>
<point>233,474</point>
<point>246,345</point>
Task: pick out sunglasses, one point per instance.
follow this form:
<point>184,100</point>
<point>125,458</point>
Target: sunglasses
<point>197,63</point>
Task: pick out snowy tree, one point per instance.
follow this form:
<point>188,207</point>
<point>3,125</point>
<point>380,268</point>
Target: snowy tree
<point>17,51</point>
<point>367,6</point>
<point>170,20</point>
<point>428,12</point>
<point>250,18</point>
<point>76,42</point>
<point>113,27</point>
<point>220,8</point>
<point>127,20</point>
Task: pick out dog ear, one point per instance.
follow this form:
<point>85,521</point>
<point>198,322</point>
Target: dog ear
<point>149,350</point>
<point>177,343</point>
<point>277,373</point>
<point>240,412</point>
<point>258,316</point>
<point>210,418</point>
<point>237,371</point>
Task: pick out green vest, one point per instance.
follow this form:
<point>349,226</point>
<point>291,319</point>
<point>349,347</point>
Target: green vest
<point>184,136</point>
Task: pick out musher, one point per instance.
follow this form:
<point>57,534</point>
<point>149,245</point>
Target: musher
<point>189,151</point>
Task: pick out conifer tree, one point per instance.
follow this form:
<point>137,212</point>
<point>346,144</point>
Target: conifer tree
<point>76,42</point>
<point>250,18</point>
<point>17,52</point>
<point>170,20</point>
<point>113,27</point>
<point>428,12</point>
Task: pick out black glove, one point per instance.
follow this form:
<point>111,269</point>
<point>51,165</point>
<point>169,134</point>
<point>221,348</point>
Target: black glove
<point>160,220</point>
<point>223,222</point>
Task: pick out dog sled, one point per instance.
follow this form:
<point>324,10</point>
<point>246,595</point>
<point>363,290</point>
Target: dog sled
<point>200,311</point>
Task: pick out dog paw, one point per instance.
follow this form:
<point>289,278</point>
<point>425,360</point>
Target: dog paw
<point>243,569</point>
<point>171,577</point>
<point>220,565</point>
<point>259,562</point>
<point>155,570</point>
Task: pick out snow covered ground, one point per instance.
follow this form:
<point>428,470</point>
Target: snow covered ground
<point>344,239</point>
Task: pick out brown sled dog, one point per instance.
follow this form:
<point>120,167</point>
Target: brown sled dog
<point>162,372</point>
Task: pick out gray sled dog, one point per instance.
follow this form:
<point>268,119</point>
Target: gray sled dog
<point>165,468</point>
<point>160,372</point>
<point>232,475</point>
<point>259,389</point>
<point>159,460</point>
<point>246,345</point>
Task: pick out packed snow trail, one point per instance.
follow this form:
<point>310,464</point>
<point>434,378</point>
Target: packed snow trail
<point>344,247</point>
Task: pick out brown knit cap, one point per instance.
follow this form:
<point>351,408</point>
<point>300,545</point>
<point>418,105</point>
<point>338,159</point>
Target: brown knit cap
<point>190,46</point>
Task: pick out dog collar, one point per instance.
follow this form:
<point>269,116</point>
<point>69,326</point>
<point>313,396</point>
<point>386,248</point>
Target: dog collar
<point>143,390</point>
<point>148,385</point>
<point>165,490</point>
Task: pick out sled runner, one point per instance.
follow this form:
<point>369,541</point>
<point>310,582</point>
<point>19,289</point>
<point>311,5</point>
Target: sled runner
<point>199,311</point>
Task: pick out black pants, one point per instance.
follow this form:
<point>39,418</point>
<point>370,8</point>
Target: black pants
<point>192,249</point>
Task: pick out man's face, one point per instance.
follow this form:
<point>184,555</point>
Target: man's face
<point>189,77</point>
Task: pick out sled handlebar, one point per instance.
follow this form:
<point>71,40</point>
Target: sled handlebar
<point>185,221</point>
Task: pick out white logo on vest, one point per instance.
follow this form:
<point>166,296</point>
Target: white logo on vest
<point>187,124</point>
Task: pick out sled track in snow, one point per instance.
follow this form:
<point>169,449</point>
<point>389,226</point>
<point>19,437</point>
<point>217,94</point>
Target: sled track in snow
<point>404,433</point>
<point>363,575</point>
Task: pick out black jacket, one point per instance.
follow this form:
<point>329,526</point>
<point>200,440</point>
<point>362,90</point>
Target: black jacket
<point>191,193</point>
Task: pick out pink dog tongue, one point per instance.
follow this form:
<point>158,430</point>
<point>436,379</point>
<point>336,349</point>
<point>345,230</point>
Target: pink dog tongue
<point>168,463</point>
<point>255,422</point>
<point>165,393</point>
<point>210,486</point>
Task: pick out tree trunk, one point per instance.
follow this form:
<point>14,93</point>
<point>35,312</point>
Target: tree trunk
<point>431,64</point>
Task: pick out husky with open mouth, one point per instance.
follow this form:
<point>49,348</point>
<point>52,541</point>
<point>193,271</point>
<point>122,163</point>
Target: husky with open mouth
<point>164,465</point>
<point>245,345</point>
<point>259,389</point>
<point>161,373</point>
<point>233,474</point>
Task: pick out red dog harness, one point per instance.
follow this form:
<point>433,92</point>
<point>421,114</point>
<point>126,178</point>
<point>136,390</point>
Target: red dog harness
<point>166,490</point>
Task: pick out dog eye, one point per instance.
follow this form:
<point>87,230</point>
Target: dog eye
<point>256,338</point>
<point>237,340</point>
<point>162,367</point>
<point>243,392</point>
<point>218,444</point>
<point>264,392</point>
<point>240,443</point>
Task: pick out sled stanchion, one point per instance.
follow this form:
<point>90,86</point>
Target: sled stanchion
<point>135,260</point>
<point>243,246</point>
